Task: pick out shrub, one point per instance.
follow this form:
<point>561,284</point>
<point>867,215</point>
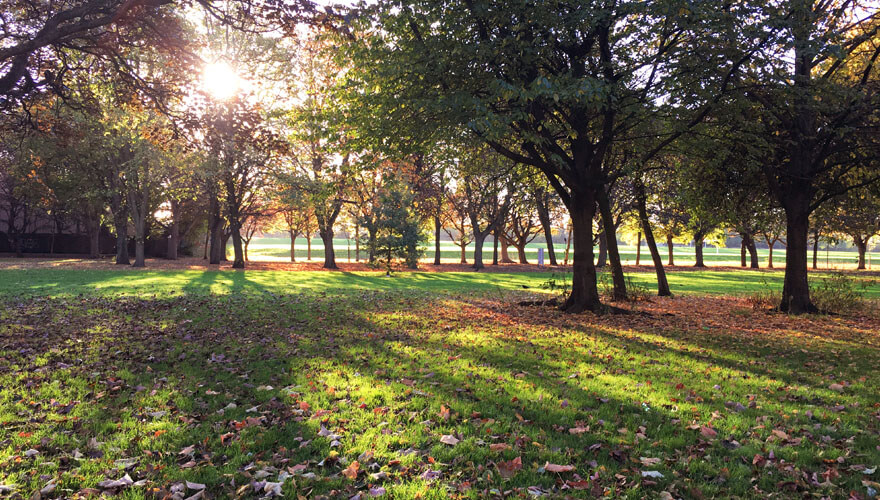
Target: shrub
<point>558,284</point>
<point>838,293</point>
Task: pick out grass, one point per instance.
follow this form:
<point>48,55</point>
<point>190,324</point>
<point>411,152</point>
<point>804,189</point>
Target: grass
<point>233,380</point>
<point>278,249</point>
<point>72,282</point>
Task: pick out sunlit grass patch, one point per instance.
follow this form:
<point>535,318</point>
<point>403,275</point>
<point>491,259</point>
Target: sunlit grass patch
<point>433,395</point>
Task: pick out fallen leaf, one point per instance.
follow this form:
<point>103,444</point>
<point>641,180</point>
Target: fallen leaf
<point>351,471</point>
<point>509,469</point>
<point>558,468</point>
<point>449,439</point>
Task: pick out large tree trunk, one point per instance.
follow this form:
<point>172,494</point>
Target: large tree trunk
<point>609,237</point>
<point>742,251</point>
<point>603,251</point>
<point>521,250</point>
<point>329,252</point>
<point>816,249</point>
<point>215,229</point>
<point>544,217</point>
<point>371,244</point>
<point>437,227</point>
<point>293,236</point>
<point>698,250</point>
<point>505,250</point>
<point>770,253</point>
<point>584,291</point>
<point>237,247</point>
<point>174,237</point>
<point>662,284</point>
<point>753,252</point>
<point>669,248</point>
<point>639,247</point>
<point>120,222</point>
<point>121,242</point>
<point>224,245</point>
<point>479,238</point>
<point>795,288</point>
<point>139,240</point>
<point>495,248</point>
<point>463,255</point>
<point>309,246</point>
<point>862,247</point>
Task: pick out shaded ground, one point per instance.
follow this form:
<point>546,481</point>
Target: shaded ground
<point>407,394</point>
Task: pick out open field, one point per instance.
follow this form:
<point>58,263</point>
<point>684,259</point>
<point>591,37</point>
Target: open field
<point>232,379</point>
<point>76,277</point>
<point>338,384</point>
<point>278,249</point>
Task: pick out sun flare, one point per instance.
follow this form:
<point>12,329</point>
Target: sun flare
<point>220,80</point>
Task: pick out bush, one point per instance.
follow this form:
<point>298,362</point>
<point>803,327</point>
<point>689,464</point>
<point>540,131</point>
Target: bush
<point>765,298</point>
<point>635,292</point>
<point>838,293</point>
<point>558,284</point>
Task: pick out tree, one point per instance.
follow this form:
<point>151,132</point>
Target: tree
<point>487,197</point>
<point>808,110</point>
<point>398,227</point>
<point>857,215</point>
<point>456,221</point>
<point>772,229</point>
<point>549,85</point>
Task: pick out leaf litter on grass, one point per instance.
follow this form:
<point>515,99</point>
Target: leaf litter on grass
<point>433,397</point>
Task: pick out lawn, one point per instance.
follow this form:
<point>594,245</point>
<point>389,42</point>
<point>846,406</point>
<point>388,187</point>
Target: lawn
<point>159,283</point>
<point>150,383</point>
<point>278,249</point>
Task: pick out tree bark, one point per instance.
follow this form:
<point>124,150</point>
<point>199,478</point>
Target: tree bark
<point>753,252</point>
<point>742,251</point>
<point>609,237</point>
<point>495,247</point>
<point>816,249</point>
<point>479,238</point>
<point>796,288</point>
<point>603,251</point>
<point>463,256</point>
<point>174,237</point>
<point>215,228</point>
<point>770,254</point>
<point>584,291</point>
<point>139,242</point>
<point>120,222</point>
<point>521,250</point>
<point>662,284</point>
<point>544,217</point>
<point>639,247</point>
<point>698,251</point>
<point>309,245</point>
<point>669,248</point>
<point>292,235</point>
<point>437,227</point>
<point>329,252</point>
<point>224,245</point>
<point>121,243</point>
<point>862,247</point>
<point>505,250</point>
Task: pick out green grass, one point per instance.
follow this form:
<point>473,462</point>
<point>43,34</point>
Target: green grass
<point>160,283</point>
<point>278,249</point>
<point>205,377</point>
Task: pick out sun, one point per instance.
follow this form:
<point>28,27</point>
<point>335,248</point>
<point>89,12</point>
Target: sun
<point>220,80</point>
